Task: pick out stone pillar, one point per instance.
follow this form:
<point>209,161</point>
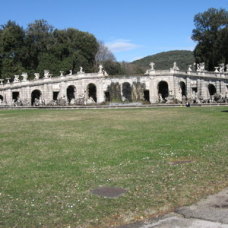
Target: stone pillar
<point>25,95</point>
<point>62,91</point>
<point>100,93</point>
<point>171,86</point>
<point>204,89</point>
<point>8,97</point>
<point>217,86</point>
<point>198,85</point>
<point>177,90</point>
<point>188,88</point>
<point>153,88</point>
<point>223,88</point>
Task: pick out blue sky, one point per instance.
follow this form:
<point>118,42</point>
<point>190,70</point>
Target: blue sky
<point>130,28</point>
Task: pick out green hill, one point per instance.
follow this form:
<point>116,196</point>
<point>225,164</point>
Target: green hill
<point>164,60</point>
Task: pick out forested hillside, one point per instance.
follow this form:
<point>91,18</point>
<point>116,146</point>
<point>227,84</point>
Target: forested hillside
<point>164,60</point>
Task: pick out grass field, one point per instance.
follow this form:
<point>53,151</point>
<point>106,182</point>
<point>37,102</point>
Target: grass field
<point>50,160</point>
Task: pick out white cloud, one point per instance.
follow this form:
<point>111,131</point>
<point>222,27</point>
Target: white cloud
<point>121,45</point>
<point>136,58</point>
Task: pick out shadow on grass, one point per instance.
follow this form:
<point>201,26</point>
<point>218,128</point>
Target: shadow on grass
<point>224,110</point>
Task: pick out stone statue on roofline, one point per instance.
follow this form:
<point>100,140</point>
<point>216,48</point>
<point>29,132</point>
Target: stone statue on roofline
<point>151,71</point>
<point>221,68</point>
<point>37,76</point>
<point>16,78</point>
<point>101,71</point>
<point>189,68</point>
<point>80,70</point>
<point>152,66</point>
<point>175,67</point>
<point>201,67</point>
<point>25,77</point>
<point>46,74</point>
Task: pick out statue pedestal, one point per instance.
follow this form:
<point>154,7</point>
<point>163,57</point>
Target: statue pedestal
<point>151,72</point>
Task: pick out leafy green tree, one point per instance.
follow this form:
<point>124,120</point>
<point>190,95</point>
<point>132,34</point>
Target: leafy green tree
<point>12,49</point>
<point>210,27</point>
<point>39,41</point>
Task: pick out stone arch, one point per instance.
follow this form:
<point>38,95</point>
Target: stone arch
<point>183,88</point>
<point>163,89</point>
<point>211,89</point>
<point>92,91</point>
<point>35,96</point>
<point>71,92</point>
<point>126,91</point>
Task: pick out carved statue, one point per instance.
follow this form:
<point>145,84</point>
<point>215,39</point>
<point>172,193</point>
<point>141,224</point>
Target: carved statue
<point>71,72</point>
<point>25,77</point>
<point>201,67</point>
<point>175,67</point>
<point>152,66</point>
<point>216,69</point>
<point>46,74</point>
<point>37,76</point>
<point>16,78</point>
<point>61,73</point>
<point>105,73</point>
<point>81,70</point>
<point>221,67</point>
<point>100,69</point>
<point>189,68</point>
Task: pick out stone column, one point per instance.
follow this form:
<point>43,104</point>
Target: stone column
<point>62,91</point>
<point>217,86</point>
<point>153,91</point>
<point>171,86</point>
<point>188,88</point>
<point>177,90</point>
<point>100,92</point>
<point>25,94</point>
<point>8,97</point>
<point>204,89</point>
<point>223,88</point>
<point>198,84</point>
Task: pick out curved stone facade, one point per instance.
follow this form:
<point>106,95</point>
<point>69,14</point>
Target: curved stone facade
<point>85,88</point>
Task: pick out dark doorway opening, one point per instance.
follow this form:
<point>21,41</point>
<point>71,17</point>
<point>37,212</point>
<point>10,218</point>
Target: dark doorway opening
<point>126,90</point>
<point>55,96</point>
<point>212,89</point>
<point>147,95</point>
<point>36,95</point>
<point>1,97</point>
<point>15,96</point>
<point>163,89</point>
<point>92,91</point>
<point>183,88</point>
<point>107,96</point>
<point>194,90</point>
<point>71,93</point>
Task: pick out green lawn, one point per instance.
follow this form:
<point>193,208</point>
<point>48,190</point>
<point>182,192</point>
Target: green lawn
<point>51,159</point>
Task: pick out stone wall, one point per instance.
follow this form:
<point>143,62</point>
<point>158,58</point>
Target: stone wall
<point>160,86</point>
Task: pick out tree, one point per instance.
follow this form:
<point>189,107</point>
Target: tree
<point>209,33</point>
<point>12,48</point>
<point>104,54</point>
<point>105,57</point>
